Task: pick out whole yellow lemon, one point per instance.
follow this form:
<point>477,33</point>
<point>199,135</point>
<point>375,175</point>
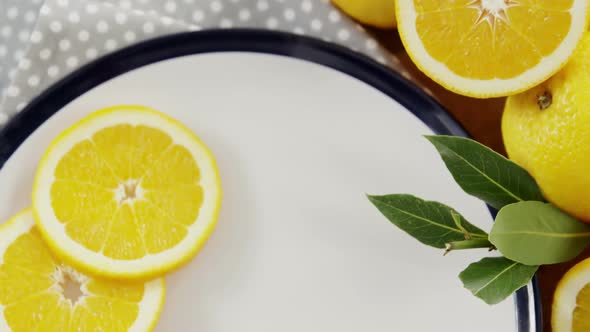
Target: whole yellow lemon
<point>378,13</point>
<point>546,130</point>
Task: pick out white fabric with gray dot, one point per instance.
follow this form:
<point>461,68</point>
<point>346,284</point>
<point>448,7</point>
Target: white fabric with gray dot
<point>41,41</point>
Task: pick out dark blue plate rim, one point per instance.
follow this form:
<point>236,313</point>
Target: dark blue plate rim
<point>16,131</point>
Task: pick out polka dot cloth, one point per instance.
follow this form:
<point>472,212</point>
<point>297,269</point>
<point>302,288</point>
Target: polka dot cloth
<point>42,41</point>
<point>17,19</point>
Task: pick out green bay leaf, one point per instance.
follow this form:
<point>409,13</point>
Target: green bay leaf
<point>536,233</point>
<point>485,174</point>
<point>493,279</point>
<point>431,223</point>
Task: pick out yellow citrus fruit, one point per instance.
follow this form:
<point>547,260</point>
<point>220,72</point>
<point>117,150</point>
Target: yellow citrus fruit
<point>547,131</point>
<point>40,293</point>
<point>378,13</point>
<point>488,48</point>
<point>127,192</point>
<point>571,302</point>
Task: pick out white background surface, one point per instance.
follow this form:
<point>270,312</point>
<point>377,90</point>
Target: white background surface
<point>298,247</point>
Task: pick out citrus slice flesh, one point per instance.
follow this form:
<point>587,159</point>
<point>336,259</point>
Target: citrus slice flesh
<point>127,192</point>
<point>40,293</point>
<point>489,48</point>
<point>571,303</point>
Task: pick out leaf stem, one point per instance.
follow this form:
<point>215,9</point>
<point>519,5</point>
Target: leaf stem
<point>469,244</point>
<point>480,236</point>
<point>457,219</point>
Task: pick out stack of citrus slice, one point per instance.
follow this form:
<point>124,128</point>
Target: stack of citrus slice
<point>124,196</point>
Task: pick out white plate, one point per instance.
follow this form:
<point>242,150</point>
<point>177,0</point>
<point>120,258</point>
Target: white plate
<point>298,247</point>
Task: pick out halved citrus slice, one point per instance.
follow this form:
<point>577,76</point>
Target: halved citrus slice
<point>127,192</point>
<point>40,293</point>
<point>488,48</point>
<point>571,302</point>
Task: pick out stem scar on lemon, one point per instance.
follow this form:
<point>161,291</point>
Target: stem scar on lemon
<point>544,100</point>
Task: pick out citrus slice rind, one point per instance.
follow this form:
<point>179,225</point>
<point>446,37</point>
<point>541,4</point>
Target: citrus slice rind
<point>37,302</point>
<point>572,299</point>
<point>533,60</point>
<point>58,220</point>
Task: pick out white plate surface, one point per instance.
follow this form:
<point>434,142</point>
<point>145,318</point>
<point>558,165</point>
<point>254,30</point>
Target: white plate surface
<point>298,247</point>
